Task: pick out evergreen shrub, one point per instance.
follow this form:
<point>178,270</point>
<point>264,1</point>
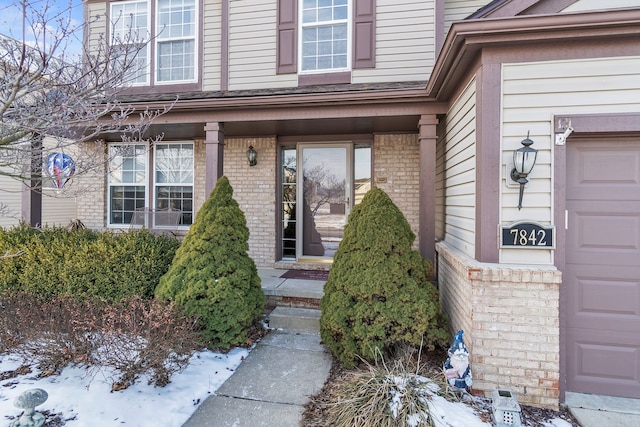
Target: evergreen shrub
<point>84,263</point>
<point>212,276</point>
<point>378,294</point>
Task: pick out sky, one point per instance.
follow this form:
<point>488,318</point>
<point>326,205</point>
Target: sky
<point>11,20</point>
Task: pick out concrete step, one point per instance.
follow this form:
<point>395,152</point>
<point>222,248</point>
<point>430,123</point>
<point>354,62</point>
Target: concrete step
<point>293,319</point>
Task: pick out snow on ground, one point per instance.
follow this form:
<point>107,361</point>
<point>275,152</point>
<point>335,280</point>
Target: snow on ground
<point>83,396</point>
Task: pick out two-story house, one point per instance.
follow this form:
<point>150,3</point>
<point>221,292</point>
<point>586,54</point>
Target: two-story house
<point>304,104</point>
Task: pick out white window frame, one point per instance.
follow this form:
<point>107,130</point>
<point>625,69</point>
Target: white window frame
<point>302,26</point>
<point>119,28</point>
<point>178,183</point>
<point>110,184</point>
<point>150,184</point>
<point>162,37</point>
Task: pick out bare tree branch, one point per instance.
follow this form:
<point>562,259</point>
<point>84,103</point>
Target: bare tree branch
<point>7,254</point>
<point>71,99</point>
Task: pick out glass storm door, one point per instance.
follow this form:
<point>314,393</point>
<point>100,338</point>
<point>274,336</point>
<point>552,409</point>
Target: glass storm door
<point>320,184</point>
<point>324,195</point>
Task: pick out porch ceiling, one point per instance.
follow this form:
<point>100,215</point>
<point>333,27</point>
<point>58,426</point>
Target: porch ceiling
<point>326,126</point>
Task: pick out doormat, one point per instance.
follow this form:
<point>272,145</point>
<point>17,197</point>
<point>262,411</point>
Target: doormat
<point>306,275</point>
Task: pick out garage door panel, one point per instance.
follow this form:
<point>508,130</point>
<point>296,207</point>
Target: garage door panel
<point>604,170</point>
<point>611,363</point>
<point>602,271</point>
<point>603,302</point>
<point>604,237</point>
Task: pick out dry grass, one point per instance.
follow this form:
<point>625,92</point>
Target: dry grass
<point>351,396</point>
<point>386,393</point>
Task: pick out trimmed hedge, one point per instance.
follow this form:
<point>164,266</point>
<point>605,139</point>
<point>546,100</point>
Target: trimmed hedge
<point>378,295</point>
<point>212,276</point>
<point>84,263</point>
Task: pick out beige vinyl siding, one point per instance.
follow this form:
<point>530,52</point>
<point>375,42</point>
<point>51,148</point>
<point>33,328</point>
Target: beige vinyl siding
<point>211,45</point>
<point>97,23</point>
<point>252,46</point>
<point>10,201</point>
<point>457,10</point>
<point>460,172</point>
<point>405,44</point>
<point>532,94</point>
<point>589,5</point>
<point>58,209</point>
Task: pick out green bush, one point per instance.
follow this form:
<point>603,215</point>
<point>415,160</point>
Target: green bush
<point>212,277</point>
<point>378,295</point>
<point>84,263</point>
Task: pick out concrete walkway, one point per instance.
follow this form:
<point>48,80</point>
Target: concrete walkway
<point>270,387</point>
<point>603,411</point>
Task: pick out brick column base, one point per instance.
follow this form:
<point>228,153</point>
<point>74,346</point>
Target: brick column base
<point>510,317</point>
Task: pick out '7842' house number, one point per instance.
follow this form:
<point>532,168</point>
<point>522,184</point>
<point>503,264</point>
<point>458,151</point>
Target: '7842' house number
<point>527,234</point>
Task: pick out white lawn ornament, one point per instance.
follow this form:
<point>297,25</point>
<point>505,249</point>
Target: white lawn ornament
<point>28,400</point>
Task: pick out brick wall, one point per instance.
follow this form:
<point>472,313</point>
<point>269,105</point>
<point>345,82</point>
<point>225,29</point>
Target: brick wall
<point>510,316</point>
<point>254,188</point>
<point>199,170</point>
<point>397,171</point>
<point>91,199</point>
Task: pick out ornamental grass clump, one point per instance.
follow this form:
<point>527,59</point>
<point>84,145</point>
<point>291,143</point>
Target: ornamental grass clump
<point>378,296</point>
<point>212,276</point>
<point>393,394</point>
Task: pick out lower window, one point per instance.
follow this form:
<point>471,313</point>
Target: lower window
<point>151,187</point>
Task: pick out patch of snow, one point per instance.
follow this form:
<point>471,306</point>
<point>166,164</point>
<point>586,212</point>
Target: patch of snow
<point>557,422</point>
<point>83,395</point>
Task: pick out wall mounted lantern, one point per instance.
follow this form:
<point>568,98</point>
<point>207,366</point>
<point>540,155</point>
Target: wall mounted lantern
<point>524,159</point>
<point>252,156</point>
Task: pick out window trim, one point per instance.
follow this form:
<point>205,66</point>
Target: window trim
<point>147,68</point>
<point>300,40</point>
<point>152,80</point>
<point>155,184</point>
<point>144,183</point>
<point>149,183</point>
<point>195,38</point>
<point>363,36</point>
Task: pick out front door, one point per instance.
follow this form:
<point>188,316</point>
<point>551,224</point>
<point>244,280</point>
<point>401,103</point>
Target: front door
<point>602,272</point>
<point>320,184</point>
<point>325,199</point>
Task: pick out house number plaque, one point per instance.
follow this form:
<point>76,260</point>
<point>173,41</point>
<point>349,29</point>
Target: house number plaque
<point>527,235</point>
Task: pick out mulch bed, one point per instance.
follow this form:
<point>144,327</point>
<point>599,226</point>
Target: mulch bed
<point>316,410</point>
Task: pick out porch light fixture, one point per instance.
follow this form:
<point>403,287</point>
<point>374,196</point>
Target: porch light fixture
<point>524,159</point>
<point>252,156</point>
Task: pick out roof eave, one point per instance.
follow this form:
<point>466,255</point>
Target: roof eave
<point>467,38</point>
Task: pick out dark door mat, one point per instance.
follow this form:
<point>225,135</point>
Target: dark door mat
<point>306,275</point>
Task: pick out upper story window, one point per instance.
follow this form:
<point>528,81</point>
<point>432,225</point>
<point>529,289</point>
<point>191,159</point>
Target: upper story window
<point>176,44</point>
<point>130,25</point>
<point>172,57</point>
<point>324,40</point>
<point>325,36</point>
